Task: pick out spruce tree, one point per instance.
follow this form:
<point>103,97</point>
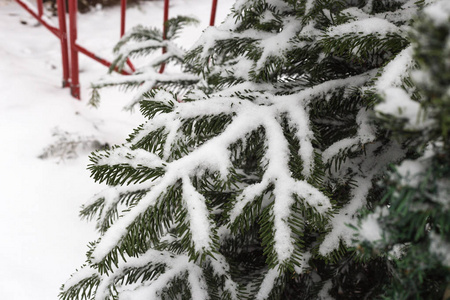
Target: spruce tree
<point>411,228</point>
<point>243,187</point>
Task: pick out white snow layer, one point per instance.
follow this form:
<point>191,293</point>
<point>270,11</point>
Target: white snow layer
<point>273,46</point>
<point>340,231</point>
<point>365,26</point>
<point>267,284</point>
<point>394,72</point>
<point>370,228</point>
<point>441,248</point>
<point>41,199</point>
<point>439,12</point>
<point>324,293</point>
<point>177,266</point>
<point>198,213</point>
<point>411,172</point>
<point>397,102</point>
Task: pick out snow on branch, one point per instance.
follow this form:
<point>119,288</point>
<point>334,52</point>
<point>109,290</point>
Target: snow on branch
<point>397,101</point>
<point>129,272</point>
<point>366,170</point>
<point>395,71</point>
<point>197,214</point>
<point>364,135</point>
<point>365,26</point>
<point>175,266</point>
<point>267,284</point>
<point>147,77</point>
<point>274,45</point>
<point>214,156</point>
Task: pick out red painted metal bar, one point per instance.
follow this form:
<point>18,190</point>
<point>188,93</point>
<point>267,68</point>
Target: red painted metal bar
<point>133,69</point>
<point>166,17</point>
<point>61,6</point>
<point>212,20</point>
<point>60,33</point>
<point>98,59</point>
<point>40,7</point>
<point>75,49</point>
<point>75,84</point>
<point>123,8</point>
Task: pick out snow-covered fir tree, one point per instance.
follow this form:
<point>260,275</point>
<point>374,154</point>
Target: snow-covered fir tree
<point>242,188</point>
<point>412,226</point>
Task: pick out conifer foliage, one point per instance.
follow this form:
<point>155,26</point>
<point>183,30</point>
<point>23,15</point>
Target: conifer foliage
<point>144,41</point>
<point>412,227</point>
<point>242,188</point>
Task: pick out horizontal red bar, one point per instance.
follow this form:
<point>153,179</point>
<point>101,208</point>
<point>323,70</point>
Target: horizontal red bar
<point>97,58</point>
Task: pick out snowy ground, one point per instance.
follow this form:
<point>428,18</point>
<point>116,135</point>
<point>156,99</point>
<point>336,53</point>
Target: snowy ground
<point>42,238</point>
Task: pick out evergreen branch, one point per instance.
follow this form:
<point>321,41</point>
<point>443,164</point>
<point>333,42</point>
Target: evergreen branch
<point>139,33</point>
<point>174,25</point>
<point>82,285</point>
<point>366,171</point>
<point>142,41</point>
<point>124,174</point>
<point>106,205</point>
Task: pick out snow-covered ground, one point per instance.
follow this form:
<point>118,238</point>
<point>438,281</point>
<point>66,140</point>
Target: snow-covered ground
<point>42,239</point>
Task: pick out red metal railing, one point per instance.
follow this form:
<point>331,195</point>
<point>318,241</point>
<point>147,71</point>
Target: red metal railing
<point>70,67</point>
<point>75,48</point>
<point>212,20</point>
<point>60,33</point>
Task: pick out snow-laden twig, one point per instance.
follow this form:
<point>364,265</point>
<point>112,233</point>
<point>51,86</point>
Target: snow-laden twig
<point>366,172</point>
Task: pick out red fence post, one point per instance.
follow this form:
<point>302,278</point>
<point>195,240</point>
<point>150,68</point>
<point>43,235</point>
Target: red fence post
<point>166,17</point>
<point>61,6</point>
<point>213,13</point>
<point>60,33</point>
<point>123,8</point>
<point>40,7</point>
<point>75,84</point>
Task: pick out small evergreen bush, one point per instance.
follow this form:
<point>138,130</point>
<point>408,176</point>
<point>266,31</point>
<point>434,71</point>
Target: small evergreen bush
<point>411,227</point>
